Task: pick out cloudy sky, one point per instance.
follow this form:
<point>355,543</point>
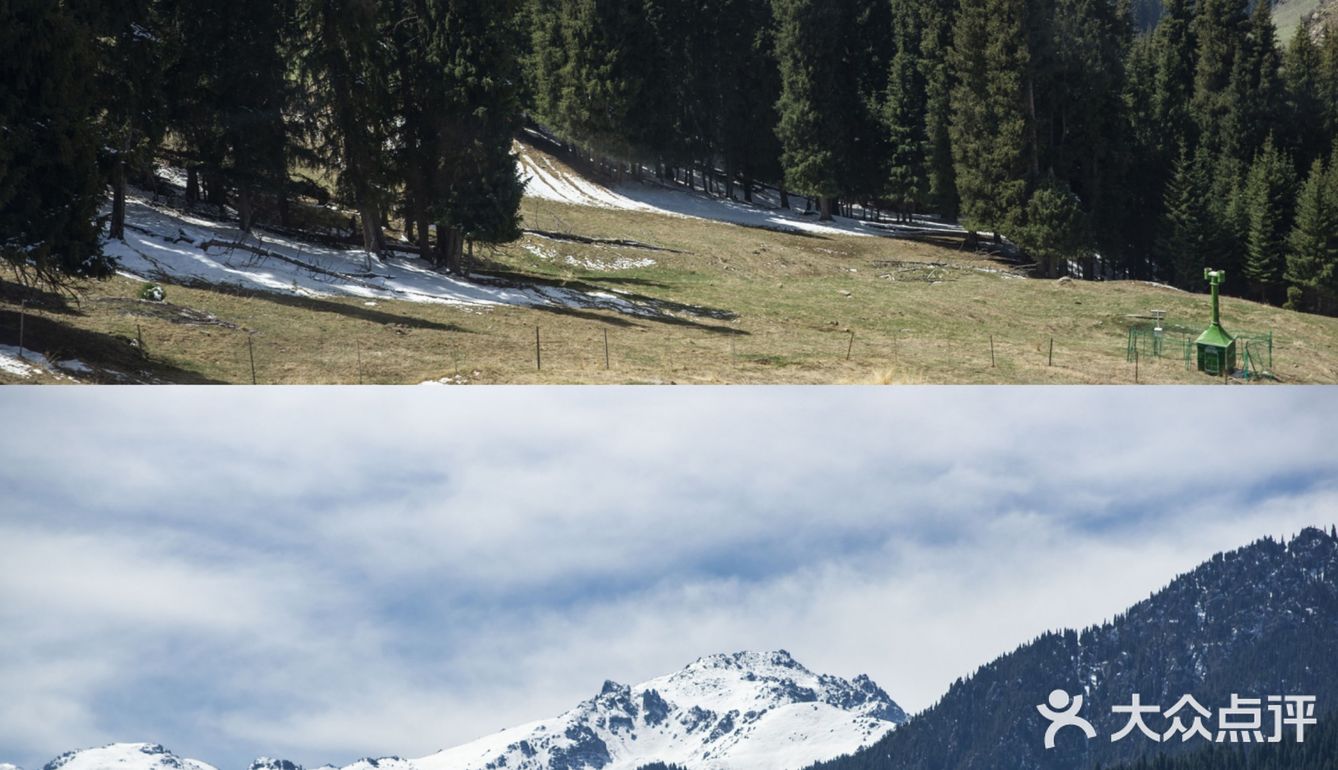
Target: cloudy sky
<point>322,575</point>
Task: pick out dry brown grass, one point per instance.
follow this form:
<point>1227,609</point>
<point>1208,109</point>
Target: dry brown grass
<point>769,308</point>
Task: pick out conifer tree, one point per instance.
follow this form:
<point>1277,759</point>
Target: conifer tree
<point>50,188</point>
<point>475,189</point>
<point>904,111</point>
<point>1054,228</point>
<point>344,68</point>
<point>197,54</point>
<point>1312,254</point>
<point>937,22</point>
<point>1188,240</point>
<point>252,98</point>
<point>1084,149</point>
<point>1270,194</point>
<point>989,105</point>
<point>603,72</point>
<point>750,87</point>
<point>1173,47</point>
<point>809,46</point>
<point>1257,96</point>
<point>1219,33</point>
<point>1304,123</point>
<point>132,61</point>
<point>1328,81</point>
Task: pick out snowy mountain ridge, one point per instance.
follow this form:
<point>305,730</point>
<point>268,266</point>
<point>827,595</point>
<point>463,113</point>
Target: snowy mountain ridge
<point>723,712</point>
<point>741,711</point>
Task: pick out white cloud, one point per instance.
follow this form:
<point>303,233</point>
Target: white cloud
<point>323,574</point>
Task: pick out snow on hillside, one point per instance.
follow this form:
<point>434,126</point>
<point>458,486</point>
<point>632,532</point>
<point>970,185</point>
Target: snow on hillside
<point>27,364</point>
<point>125,756</point>
<point>162,243</point>
<point>747,711</point>
<point>546,179</point>
<point>8,766</point>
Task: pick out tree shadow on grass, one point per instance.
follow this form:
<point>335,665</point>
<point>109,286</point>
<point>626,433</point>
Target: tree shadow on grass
<point>358,312</point>
<point>649,309</point>
<point>113,359</point>
<point>38,298</point>
<point>626,321</point>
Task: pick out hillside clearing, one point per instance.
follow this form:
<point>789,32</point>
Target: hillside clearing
<point>679,299</point>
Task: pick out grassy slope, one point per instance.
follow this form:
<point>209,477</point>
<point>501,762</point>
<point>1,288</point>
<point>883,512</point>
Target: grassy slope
<point>774,308</point>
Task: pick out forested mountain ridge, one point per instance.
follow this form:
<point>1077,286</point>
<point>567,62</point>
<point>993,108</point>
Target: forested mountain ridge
<point>1258,621</point>
<point>1319,752</point>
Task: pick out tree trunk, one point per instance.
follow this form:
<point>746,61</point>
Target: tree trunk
<point>455,250</point>
<point>1031,129</point>
<point>371,230</point>
<point>785,199</point>
<point>825,208</point>
<point>424,236</point>
<point>748,188</point>
<point>192,186</point>
<point>245,213</point>
<point>117,226</point>
<point>215,191</point>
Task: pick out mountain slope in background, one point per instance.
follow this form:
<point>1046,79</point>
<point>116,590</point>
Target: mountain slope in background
<point>1258,621</point>
<point>125,756</point>
<point>1319,752</point>
<point>741,711</point>
<point>746,711</point>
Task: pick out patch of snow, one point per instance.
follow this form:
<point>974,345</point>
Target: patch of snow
<point>29,364</point>
<point>76,366</point>
<point>126,756</point>
<point>599,265</point>
<point>165,244</point>
<point>172,175</point>
<point>545,181</point>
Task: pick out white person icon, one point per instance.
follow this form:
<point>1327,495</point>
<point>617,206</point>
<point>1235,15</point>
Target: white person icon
<point>1063,712</point>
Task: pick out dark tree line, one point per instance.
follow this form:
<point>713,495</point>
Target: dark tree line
<point>1133,138</point>
<point>1130,138</point>
<point>401,107</point>
<point>1319,751</point>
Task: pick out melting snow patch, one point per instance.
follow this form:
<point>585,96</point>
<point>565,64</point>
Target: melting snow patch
<point>598,265</point>
<point>25,365</point>
<point>29,364</point>
<point>161,243</point>
<point>74,365</point>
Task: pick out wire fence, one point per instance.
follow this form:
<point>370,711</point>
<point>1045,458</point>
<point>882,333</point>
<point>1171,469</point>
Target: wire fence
<point>601,353</point>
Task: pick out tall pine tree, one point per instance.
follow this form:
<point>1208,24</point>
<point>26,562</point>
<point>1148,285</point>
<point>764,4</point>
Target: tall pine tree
<point>809,47</point>
<point>990,107</point>
<point>50,188</point>
<point>1312,254</point>
<point>1270,194</point>
<point>345,73</point>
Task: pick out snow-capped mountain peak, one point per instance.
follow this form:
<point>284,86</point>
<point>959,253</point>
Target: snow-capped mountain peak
<point>722,712</point>
<point>125,756</point>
